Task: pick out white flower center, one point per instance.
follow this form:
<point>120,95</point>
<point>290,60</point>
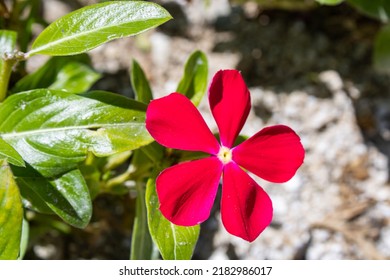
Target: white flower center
<point>225,155</point>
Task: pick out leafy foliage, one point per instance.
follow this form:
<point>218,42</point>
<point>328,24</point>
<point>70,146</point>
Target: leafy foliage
<point>61,146</point>
<point>70,73</point>
<point>9,153</point>
<point>140,84</point>
<point>141,243</point>
<point>194,81</point>
<point>91,26</point>
<point>54,130</point>
<point>67,195</point>
<point>174,242</point>
<point>379,9</point>
<point>11,217</point>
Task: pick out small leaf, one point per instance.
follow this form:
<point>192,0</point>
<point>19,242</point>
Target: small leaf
<point>75,77</point>
<point>194,81</point>
<point>91,26</point>
<point>11,214</point>
<point>141,242</point>
<point>381,50</point>
<point>174,242</point>
<point>379,9</point>
<point>49,73</point>
<point>24,238</point>
<point>67,195</point>
<point>54,130</point>
<point>140,84</point>
<point>9,153</point>
<point>330,2</point>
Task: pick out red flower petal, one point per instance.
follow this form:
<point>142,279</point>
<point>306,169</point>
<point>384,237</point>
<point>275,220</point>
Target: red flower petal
<point>229,100</point>
<point>246,208</point>
<point>174,122</point>
<point>187,190</point>
<point>275,153</point>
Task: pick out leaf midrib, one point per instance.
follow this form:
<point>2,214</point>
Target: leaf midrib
<point>67,128</point>
<point>174,241</point>
<point>85,33</point>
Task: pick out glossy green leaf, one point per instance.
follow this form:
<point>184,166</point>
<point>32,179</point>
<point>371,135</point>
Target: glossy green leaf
<point>140,83</point>
<point>330,2</point>
<point>174,242</point>
<point>72,74</point>
<point>91,26</point>
<point>30,199</point>
<point>66,195</point>
<point>379,9</point>
<point>194,81</point>
<point>11,214</point>
<point>54,130</point>
<point>9,153</point>
<point>382,50</point>
<point>141,242</point>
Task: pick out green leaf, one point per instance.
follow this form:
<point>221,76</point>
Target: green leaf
<point>140,84</point>
<point>194,81</point>
<point>67,195</point>
<point>382,50</point>
<point>174,242</point>
<point>54,130</point>
<point>330,2</point>
<point>141,242</point>
<point>72,74</point>
<point>30,199</point>
<point>379,9</point>
<point>24,239</point>
<point>9,153</point>
<point>91,26</point>
<point>11,217</point>
<point>75,77</point>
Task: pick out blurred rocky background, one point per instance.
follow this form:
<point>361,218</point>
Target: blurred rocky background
<point>309,67</point>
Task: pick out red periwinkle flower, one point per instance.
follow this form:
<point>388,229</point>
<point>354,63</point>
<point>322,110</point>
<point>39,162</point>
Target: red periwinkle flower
<point>187,191</point>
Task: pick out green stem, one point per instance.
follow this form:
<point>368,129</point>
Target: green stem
<point>118,180</point>
<point>5,74</point>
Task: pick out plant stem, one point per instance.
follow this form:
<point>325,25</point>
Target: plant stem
<point>5,74</point>
<point>118,180</point>
<point>6,63</point>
